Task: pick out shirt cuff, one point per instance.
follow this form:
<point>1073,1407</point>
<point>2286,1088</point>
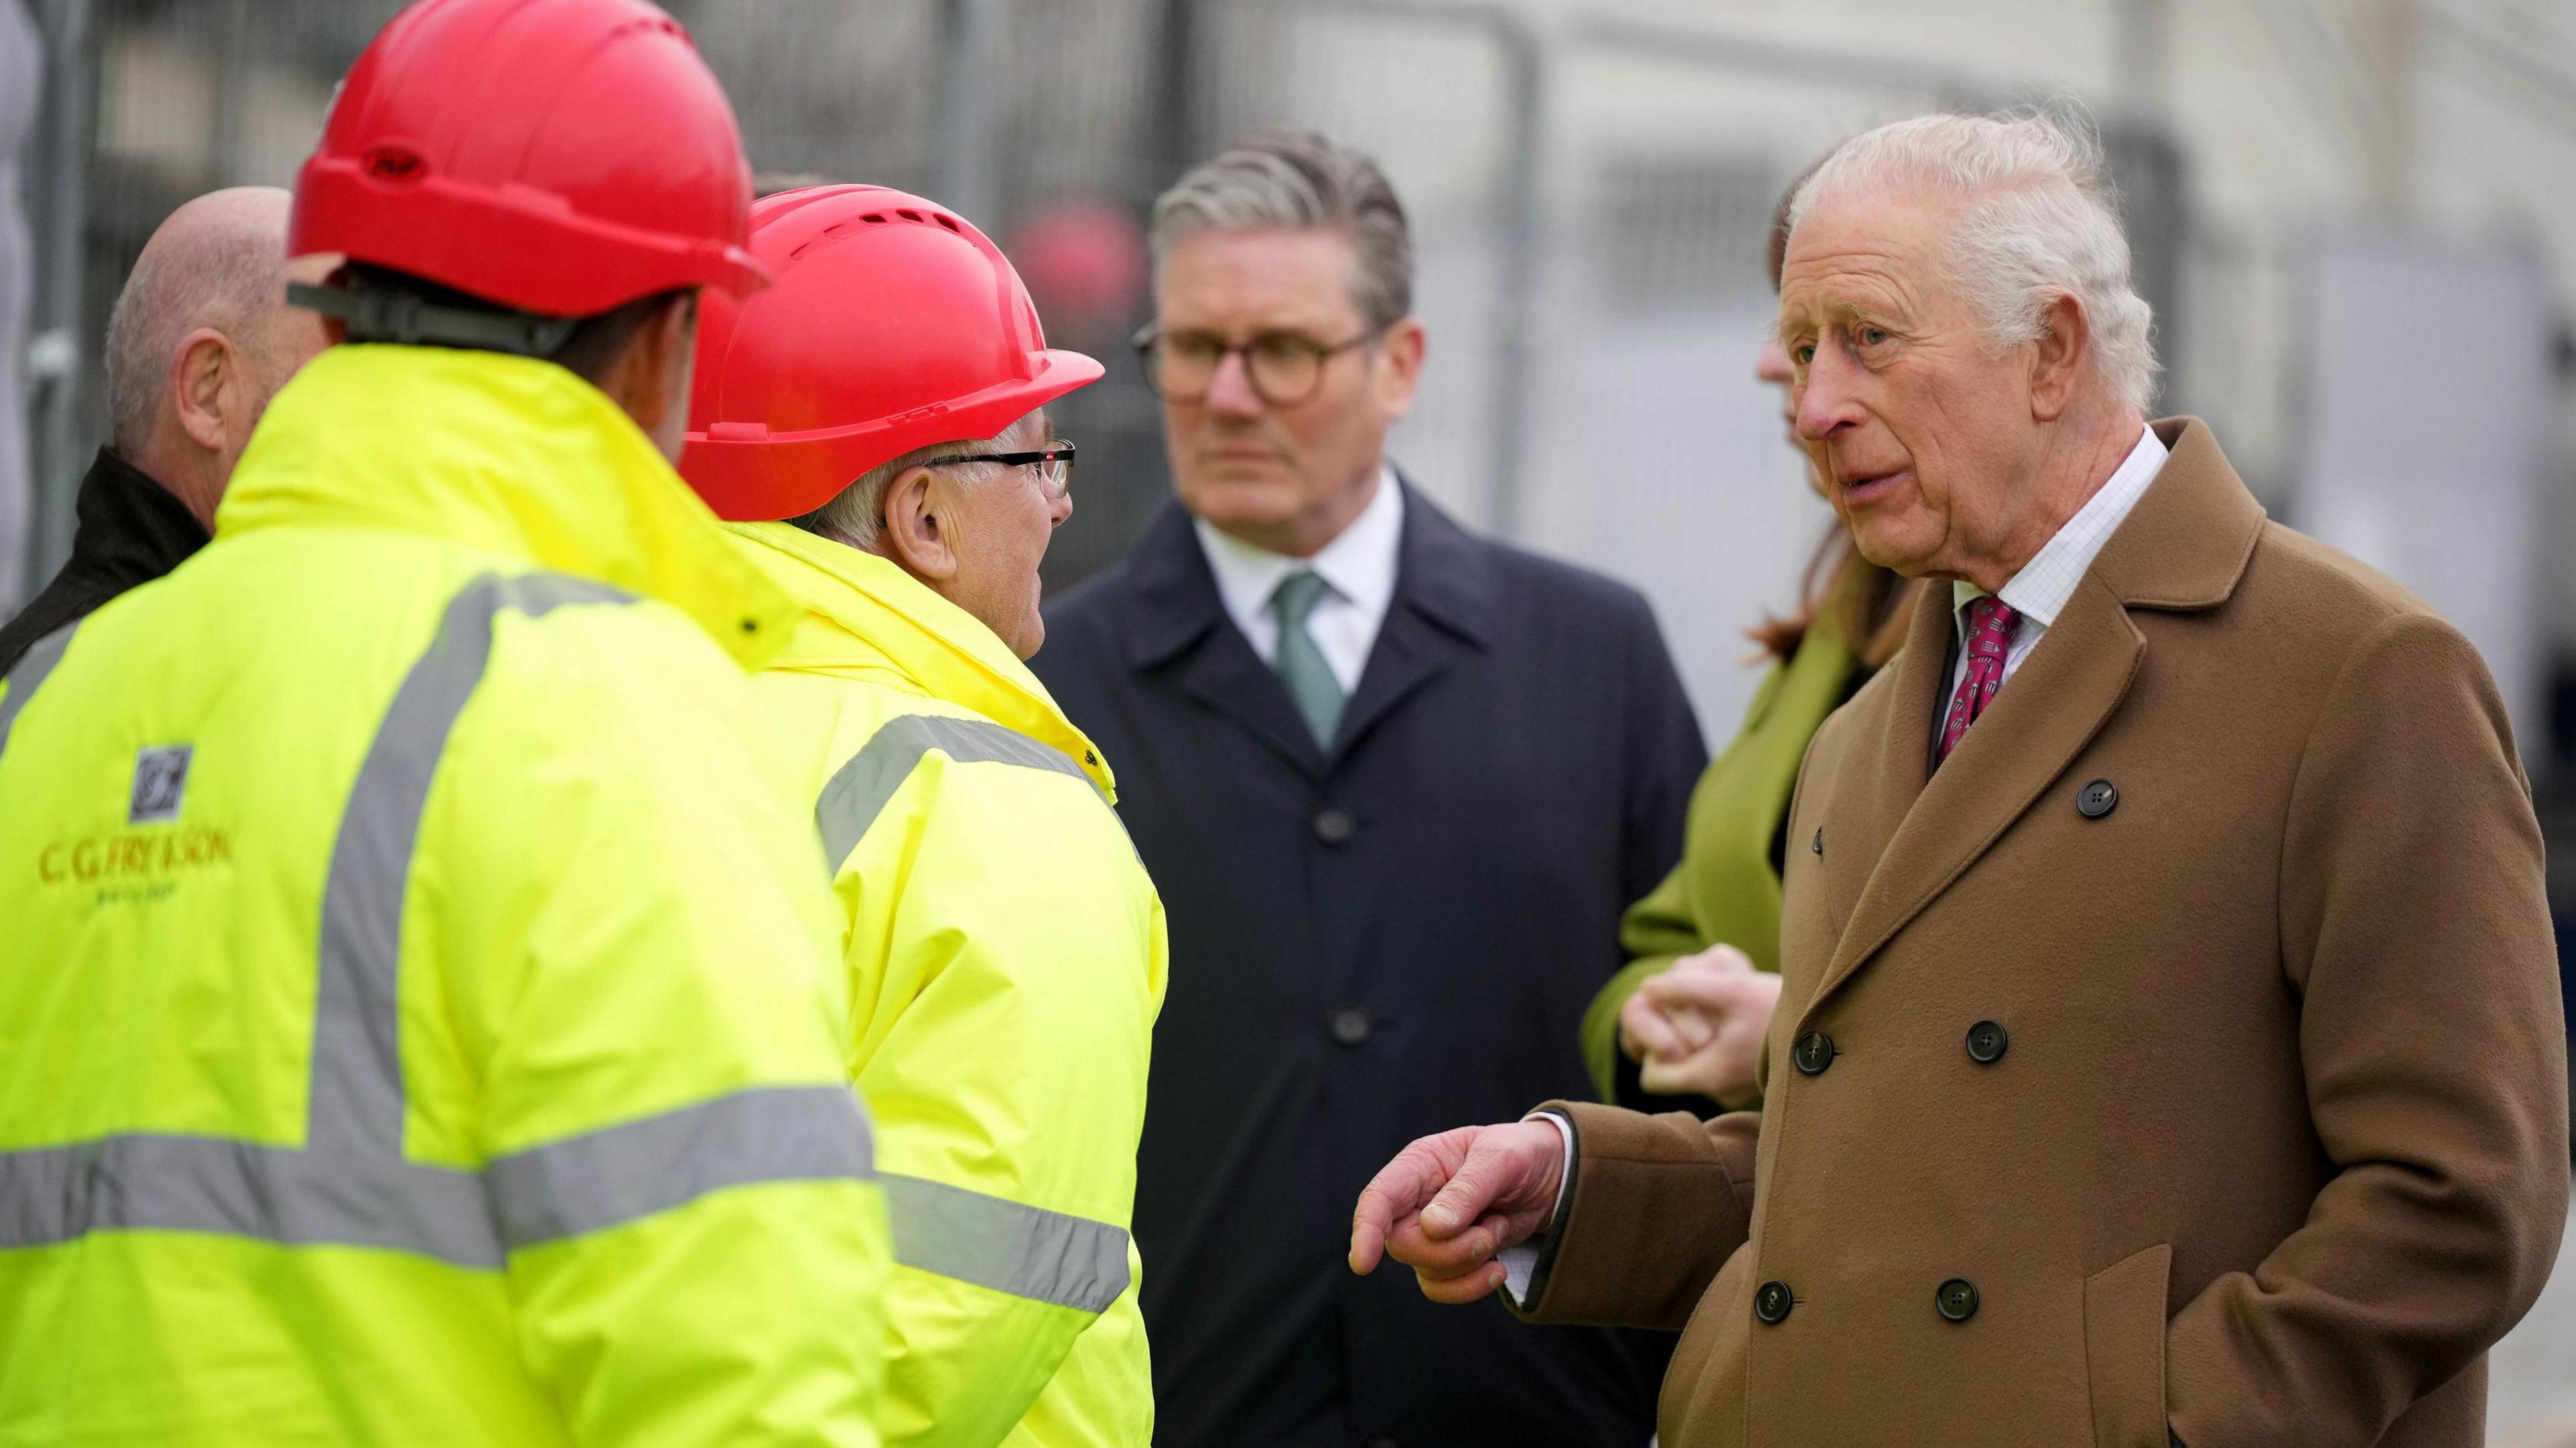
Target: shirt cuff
<point>1521,1263</point>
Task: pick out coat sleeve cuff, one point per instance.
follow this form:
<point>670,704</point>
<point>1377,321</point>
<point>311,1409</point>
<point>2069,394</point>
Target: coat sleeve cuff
<point>1525,1266</point>
<point>1653,1207</point>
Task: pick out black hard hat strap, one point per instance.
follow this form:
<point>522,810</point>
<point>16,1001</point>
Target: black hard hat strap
<point>382,316</point>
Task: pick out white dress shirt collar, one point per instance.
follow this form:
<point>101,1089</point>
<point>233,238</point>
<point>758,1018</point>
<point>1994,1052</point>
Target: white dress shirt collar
<point>2043,587</point>
<point>2040,591</point>
<point>1358,568</point>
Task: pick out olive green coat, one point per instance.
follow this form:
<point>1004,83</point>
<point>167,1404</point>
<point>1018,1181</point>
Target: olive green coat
<point>1726,889</point>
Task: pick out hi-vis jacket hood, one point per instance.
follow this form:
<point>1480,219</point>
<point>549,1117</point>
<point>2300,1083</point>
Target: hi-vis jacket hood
<point>418,1021</point>
<point>866,620</point>
<point>508,455</point>
<point>1005,952</point>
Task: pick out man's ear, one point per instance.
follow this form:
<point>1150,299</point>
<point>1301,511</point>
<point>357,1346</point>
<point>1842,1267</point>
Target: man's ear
<point>203,366</point>
<point>1399,368</point>
<point>2058,355</point>
<point>914,533</point>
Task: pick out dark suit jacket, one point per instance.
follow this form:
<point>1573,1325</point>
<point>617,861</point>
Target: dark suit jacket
<point>131,532</point>
<point>1369,946</point>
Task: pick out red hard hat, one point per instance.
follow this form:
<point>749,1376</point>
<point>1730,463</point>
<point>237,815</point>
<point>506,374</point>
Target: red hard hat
<point>554,156</point>
<point>894,325</point>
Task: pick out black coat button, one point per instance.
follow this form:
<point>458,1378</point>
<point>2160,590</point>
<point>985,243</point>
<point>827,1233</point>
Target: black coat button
<point>1351,1025</point>
<point>1820,841</point>
<point>1335,825</point>
<point>1957,1300</point>
<point>2097,799</point>
<point>1813,1053</point>
<point>1987,1042</point>
<point>1771,1303</point>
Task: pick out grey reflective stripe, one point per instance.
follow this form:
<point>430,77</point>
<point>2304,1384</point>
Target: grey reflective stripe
<point>1024,1251</point>
<point>239,1188</point>
<point>580,1184</point>
<point>355,1123</point>
<point>349,1184</point>
<point>637,1168</point>
<point>859,789</point>
<point>31,669</point>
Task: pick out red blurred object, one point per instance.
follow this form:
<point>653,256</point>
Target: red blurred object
<point>894,324</point>
<point>1085,263</point>
<point>555,156</point>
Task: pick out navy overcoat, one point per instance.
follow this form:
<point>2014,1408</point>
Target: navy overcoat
<point>1372,943</point>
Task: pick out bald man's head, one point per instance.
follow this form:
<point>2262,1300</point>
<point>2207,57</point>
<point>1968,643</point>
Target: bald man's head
<point>202,337</point>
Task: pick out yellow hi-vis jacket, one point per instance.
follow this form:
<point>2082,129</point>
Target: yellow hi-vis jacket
<point>419,1020</point>
<point>1006,954</point>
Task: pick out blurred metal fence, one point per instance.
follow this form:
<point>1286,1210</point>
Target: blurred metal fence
<point>1589,198</point>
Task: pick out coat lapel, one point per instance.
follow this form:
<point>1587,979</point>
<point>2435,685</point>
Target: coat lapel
<point>2055,703</point>
<point>2182,548</point>
<point>1442,608</point>
<point>1228,677</point>
<point>1898,758</point>
<point>1180,624</point>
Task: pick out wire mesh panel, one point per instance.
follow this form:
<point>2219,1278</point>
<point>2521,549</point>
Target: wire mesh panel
<point>1659,457</point>
<point>1589,202</point>
<point>1588,224</point>
<point>830,91</point>
<point>1429,97</point>
<point>1032,120</point>
<point>190,95</point>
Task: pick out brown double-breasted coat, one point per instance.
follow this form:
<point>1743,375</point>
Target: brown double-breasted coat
<point>2237,1106</point>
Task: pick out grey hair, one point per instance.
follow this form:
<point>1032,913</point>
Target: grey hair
<point>2038,220</point>
<point>232,279</point>
<point>856,514</point>
<point>1300,181</point>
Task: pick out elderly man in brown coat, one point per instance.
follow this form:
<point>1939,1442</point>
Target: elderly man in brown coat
<point>2169,1049</point>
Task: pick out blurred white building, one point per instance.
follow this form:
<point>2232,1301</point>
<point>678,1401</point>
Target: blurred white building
<point>2302,129</point>
<point>1590,181</point>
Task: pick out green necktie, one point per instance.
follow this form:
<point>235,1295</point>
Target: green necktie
<point>1299,664</point>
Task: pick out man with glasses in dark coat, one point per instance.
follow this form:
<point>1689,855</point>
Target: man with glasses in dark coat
<point>1395,783</point>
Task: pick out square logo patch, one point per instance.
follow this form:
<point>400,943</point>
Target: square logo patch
<point>160,782</point>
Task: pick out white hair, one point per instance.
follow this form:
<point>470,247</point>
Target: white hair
<point>2037,220</point>
<point>856,514</point>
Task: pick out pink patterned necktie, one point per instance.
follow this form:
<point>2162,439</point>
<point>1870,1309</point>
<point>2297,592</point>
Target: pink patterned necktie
<point>1990,629</point>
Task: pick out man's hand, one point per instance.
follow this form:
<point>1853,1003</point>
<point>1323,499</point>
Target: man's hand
<point>1449,1203</point>
<point>1697,1026</point>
